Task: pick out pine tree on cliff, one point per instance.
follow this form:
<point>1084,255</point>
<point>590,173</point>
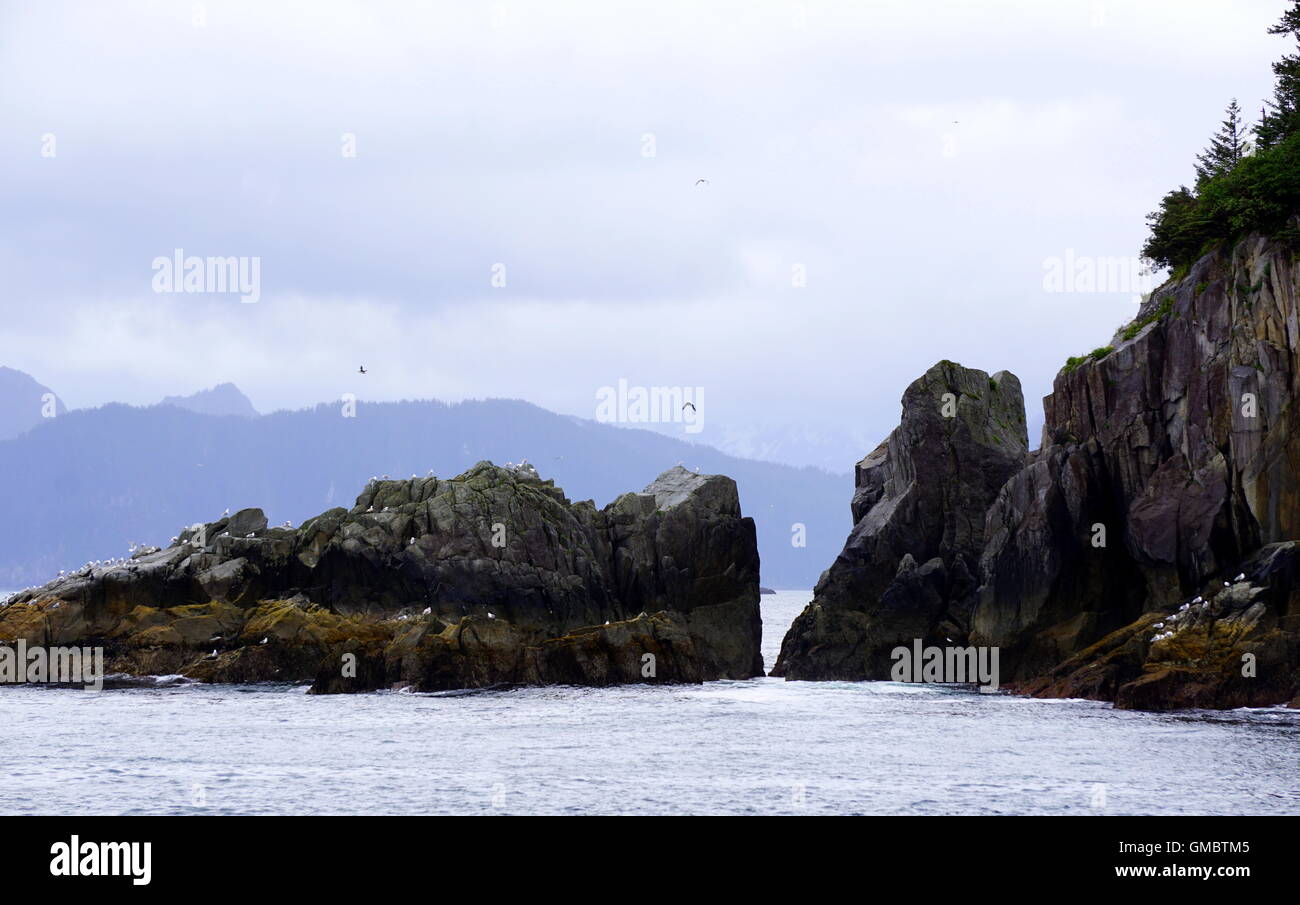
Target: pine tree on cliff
<point>1226,147</point>
<point>1282,117</point>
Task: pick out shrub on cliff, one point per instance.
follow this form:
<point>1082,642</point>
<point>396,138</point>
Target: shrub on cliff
<point>1237,192</point>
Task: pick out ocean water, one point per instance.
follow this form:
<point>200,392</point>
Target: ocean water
<point>759,747</point>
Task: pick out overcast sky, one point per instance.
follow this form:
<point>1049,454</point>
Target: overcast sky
<point>918,162</point>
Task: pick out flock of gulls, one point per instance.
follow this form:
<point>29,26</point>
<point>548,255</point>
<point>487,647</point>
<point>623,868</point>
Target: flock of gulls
<point>1169,624</point>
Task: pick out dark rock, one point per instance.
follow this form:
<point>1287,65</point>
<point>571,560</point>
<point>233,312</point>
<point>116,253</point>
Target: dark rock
<point>490,578</point>
<point>920,498</point>
<point>1166,461</point>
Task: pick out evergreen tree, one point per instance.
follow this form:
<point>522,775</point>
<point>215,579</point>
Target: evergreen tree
<point>1282,117</point>
<point>1226,148</point>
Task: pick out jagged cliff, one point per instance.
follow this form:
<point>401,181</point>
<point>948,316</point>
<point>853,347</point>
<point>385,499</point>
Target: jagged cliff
<point>908,569</point>
<point>1170,462</point>
<point>492,577</point>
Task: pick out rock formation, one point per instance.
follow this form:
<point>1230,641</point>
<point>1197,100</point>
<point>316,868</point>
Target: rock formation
<point>1170,463</point>
<point>908,568</point>
<point>493,577</point>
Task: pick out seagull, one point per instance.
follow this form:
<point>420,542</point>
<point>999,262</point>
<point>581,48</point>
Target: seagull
<point>371,509</point>
<point>264,640</point>
<point>690,405</point>
<point>361,370</point>
<point>428,610</point>
<point>430,473</point>
<point>490,616</point>
<point>1241,576</point>
<point>227,512</point>
<point>1197,599</point>
<point>1184,607</point>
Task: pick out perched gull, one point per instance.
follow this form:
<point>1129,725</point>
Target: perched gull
<point>428,610</point>
<point>361,370</point>
<point>264,640</point>
<point>1241,576</point>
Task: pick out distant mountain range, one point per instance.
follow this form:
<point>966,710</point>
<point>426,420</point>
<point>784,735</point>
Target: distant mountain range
<point>85,483</point>
<point>222,399</point>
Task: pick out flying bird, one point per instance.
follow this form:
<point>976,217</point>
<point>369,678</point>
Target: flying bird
<point>701,182</point>
<point>690,405</point>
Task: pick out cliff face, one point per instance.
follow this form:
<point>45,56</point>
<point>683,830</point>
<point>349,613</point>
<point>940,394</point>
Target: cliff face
<point>1181,444</point>
<point>1168,463</point>
<point>908,569</point>
<point>491,577</point>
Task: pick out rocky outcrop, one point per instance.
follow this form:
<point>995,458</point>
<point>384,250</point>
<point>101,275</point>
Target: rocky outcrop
<point>1170,463</point>
<point>1232,646</point>
<point>908,568</point>
<point>489,578</point>
<point>1168,458</point>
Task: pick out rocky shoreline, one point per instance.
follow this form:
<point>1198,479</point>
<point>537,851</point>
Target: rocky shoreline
<point>1144,554</point>
<point>490,578</point>
<point>1147,553</point>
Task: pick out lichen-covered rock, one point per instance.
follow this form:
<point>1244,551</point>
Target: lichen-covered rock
<point>907,569</point>
<point>1232,646</point>
<point>492,577</point>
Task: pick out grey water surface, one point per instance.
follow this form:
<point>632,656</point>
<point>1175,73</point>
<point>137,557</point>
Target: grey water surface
<point>764,746</point>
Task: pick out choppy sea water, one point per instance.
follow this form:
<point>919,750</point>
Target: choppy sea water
<point>759,747</point>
